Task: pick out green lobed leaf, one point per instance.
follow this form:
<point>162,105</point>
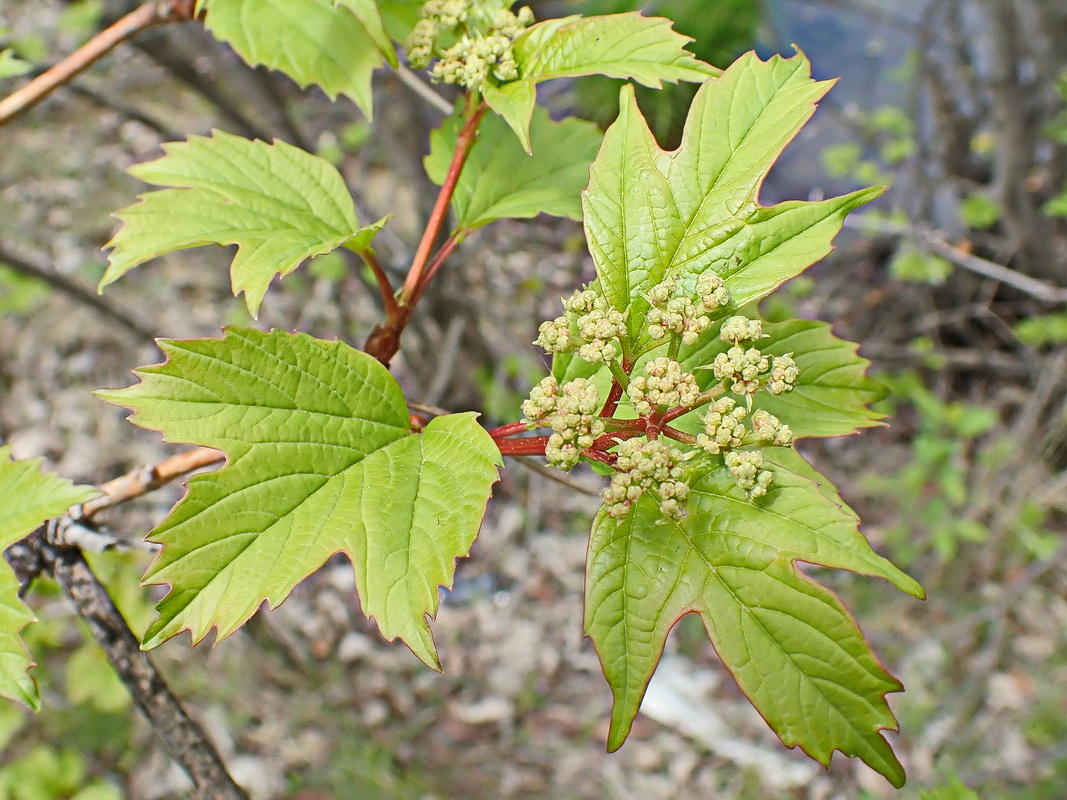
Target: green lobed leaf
<point>366,11</point>
<point>399,17</point>
<point>628,46</point>
<point>277,203</point>
<point>650,213</point>
<point>514,102</point>
<point>791,646</point>
<point>833,394</point>
<point>321,459</point>
<point>28,497</point>
<point>499,180</point>
<point>11,65</point>
<point>311,41</point>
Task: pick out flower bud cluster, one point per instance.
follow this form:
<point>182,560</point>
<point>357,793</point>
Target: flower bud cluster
<point>770,430</point>
<point>724,427</point>
<point>674,312</point>
<point>747,468</point>
<point>784,374</point>
<point>741,329</point>
<point>483,33</point>
<point>643,466</point>
<point>571,411</point>
<point>595,325</point>
<point>663,385</point>
<point>741,366</point>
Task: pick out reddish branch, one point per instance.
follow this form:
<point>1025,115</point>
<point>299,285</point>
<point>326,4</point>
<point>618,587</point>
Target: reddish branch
<point>145,17</point>
<point>528,446</point>
<point>385,286</point>
<point>451,243</point>
<point>384,340</point>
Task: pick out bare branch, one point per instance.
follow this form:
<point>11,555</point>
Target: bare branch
<point>417,85</point>
<point>184,740</point>
<point>76,292</point>
<point>143,18</point>
<point>936,242</point>
<point>146,479</point>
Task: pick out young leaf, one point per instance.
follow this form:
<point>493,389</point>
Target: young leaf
<point>366,11</point>
<point>833,393</point>
<point>650,213</point>
<point>11,65</point>
<point>311,41</point>
<point>628,46</point>
<point>790,644</point>
<point>500,180</point>
<point>279,204</point>
<point>27,498</point>
<point>321,459</point>
<point>514,102</point>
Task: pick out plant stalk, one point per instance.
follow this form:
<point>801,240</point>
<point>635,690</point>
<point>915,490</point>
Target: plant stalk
<point>141,19</point>
<point>184,740</point>
<point>384,340</point>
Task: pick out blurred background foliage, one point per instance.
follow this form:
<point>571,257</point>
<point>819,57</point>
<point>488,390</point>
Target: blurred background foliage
<point>955,283</point>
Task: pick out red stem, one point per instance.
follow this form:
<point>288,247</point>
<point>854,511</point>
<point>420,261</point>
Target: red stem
<point>384,340</point>
<point>511,429</point>
<point>615,392</point>
<point>677,435</point>
<point>386,287</point>
<point>464,144</point>
<point>530,446</point>
<point>451,243</point>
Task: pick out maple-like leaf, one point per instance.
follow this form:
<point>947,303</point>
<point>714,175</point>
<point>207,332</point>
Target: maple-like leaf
<point>277,203</point>
<point>629,46</point>
<point>28,497</point>
<point>321,459</point>
<point>833,393</point>
<point>335,44</point>
<point>651,213</point>
<point>790,644</point>
<point>499,180</point>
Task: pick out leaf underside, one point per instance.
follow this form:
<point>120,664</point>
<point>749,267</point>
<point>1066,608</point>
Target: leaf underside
<point>28,497</point>
<point>321,460</point>
<point>318,42</point>
<point>277,203</point>
<point>499,180</point>
<point>789,643</point>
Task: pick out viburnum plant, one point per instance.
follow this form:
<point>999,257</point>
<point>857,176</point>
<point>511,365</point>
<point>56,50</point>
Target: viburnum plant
<point>663,376</point>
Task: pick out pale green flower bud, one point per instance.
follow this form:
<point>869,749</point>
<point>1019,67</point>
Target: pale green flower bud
<point>647,466</point>
<point>712,292</point>
<point>741,329</point>
<point>555,336</point>
<point>770,430</point>
<point>747,469</point>
<point>662,292</point>
<point>724,427</point>
<point>784,375</point>
<point>584,301</point>
<point>742,367</point>
<point>542,402</point>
